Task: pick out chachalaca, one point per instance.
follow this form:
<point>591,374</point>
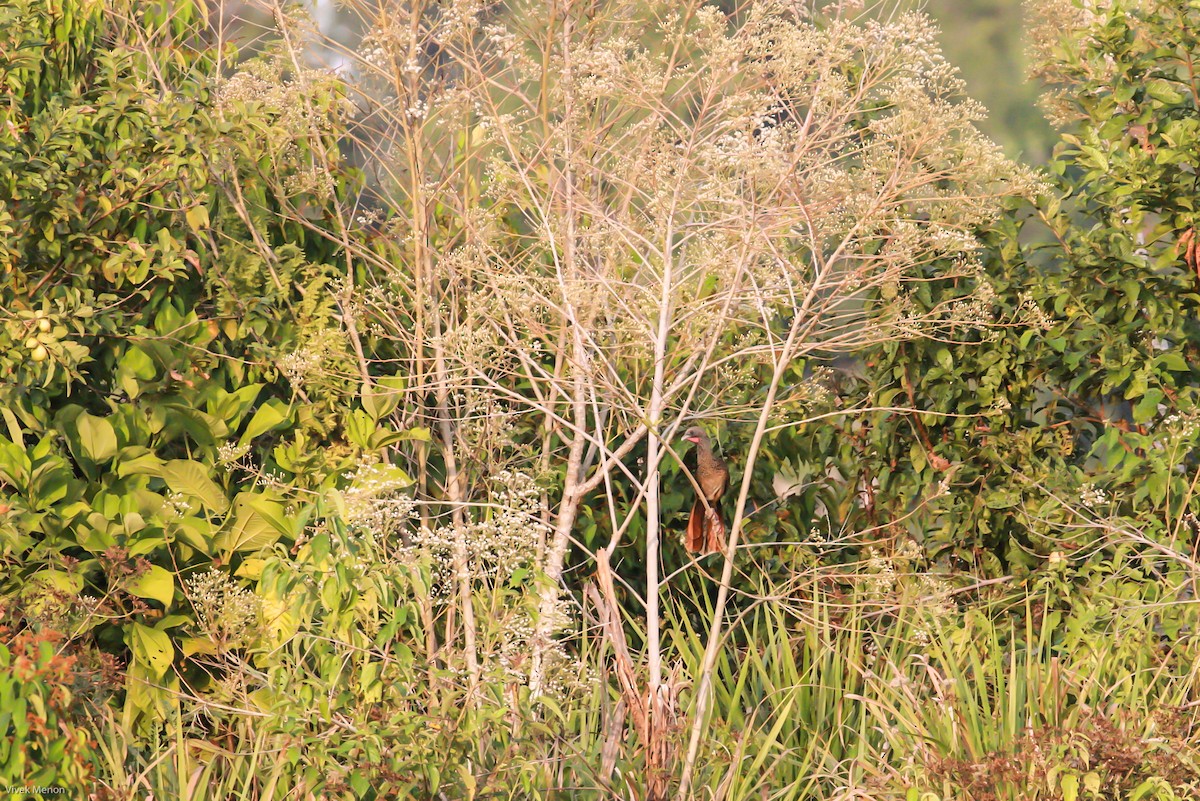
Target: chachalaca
<point>705,529</point>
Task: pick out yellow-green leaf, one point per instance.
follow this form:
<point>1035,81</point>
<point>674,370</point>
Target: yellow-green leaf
<point>270,415</point>
<point>96,436</point>
<point>197,218</point>
<point>191,479</point>
<point>257,523</point>
<point>157,584</point>
<point>1069,784</point>
<point>150,647</point>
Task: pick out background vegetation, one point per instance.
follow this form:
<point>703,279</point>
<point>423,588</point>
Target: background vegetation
<point>340,452</point>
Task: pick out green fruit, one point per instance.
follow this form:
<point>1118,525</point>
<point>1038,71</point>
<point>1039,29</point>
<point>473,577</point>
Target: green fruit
<point>31,343</point>
<point>44,325</point>
<point>40,353</point>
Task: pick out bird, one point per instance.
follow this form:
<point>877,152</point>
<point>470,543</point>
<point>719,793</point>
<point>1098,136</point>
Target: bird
<point>705,529</point>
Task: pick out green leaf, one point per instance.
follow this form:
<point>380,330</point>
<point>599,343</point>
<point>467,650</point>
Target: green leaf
<point>270,415</point>
<point>96,436</point>
<point>1147,408</point>
<point>230,407</point>
<point>1164,92</point>
<point>258,522</point>
<point>359,428</point>
<point>1174,362</point>
<point>133,368</point>
<point>15,433</point>
<point>916,453</point>
<point>203,428</point>
<point>56,580</point>
<point>1143,790</point>
<point>417,434</point>
<point>137,461</point>
<point>151,648</point>
<point>1069,784</point>
<point>197,645</point>
<point>191,479</point>
<point>157,584</point>
<point>382,399</point>
<point>197,218</point>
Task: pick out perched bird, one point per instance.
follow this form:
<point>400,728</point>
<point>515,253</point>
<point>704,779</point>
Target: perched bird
<point>705,529</point>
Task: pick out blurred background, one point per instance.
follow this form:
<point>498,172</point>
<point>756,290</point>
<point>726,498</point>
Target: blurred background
<point>985,39</point>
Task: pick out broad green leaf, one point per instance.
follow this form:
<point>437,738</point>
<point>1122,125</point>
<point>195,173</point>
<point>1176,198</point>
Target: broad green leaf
<point>382,399</point>
<point>134,367</point>
<point>1173,361</point>
<point>14,427</point>
<point>197,218</point>
<point>231,406</point>
<point>1069,784</point>
<point>417,434</point>
<point>96,436</point>
<point>191,479</point>
<point>197,645</point>
<point>269,416</point>
<point>257,522</point>
<point>157,584</point>
<point>137,461</point>
<point>196,532</point>
<point>1163,91</point>
<point>359,428</point>
<point>1146,409</point>
<point>203,428</point>
<point>150,647</point>
<point>56,580</point>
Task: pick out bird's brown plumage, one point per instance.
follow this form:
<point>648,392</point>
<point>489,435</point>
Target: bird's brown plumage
<point>705,529</point>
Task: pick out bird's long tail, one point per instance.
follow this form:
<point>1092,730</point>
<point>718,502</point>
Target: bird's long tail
<point>714,528</point>
<point>696,538</point>
<point>705,530</point>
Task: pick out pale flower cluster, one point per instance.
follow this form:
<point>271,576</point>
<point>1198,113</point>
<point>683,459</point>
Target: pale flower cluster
<point>1182,425</point>
<point>305,364</point>
<point>177,505</point>
<point>225,613</point>
<point>304,107</point>
<point>503,541</point>
<point>900,578</point>
<point>374,500</point>
<point>1092,497</point>
<point>1034,315</point>
<point>564,672</point>
<point>231,452</point>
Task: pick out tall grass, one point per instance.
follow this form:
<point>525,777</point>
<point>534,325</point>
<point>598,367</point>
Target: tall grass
<point>1018,695</point>
<point>831,688</point>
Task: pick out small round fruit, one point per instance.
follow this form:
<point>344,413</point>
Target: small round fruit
<point>44,325</point>
<point>39,353</point>
<point>31,343</point>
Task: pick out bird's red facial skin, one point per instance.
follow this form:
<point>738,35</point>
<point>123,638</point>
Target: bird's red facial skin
<point>693,439</point>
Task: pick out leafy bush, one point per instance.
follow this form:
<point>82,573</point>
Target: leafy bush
<point>1081,402</point>
<point>45,736</point>
<point>154,300</point>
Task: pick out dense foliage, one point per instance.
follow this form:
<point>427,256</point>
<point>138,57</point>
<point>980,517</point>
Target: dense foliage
<point>149,299</point>
<point>338,461</point>
<point>1044,438</point>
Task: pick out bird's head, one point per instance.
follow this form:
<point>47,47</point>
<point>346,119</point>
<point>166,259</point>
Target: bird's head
<point>695,434</point>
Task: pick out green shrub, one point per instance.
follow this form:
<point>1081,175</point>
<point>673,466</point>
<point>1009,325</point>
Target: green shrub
<point>155,417</point>
<point>1080,403</point>
<point>45,741</point>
